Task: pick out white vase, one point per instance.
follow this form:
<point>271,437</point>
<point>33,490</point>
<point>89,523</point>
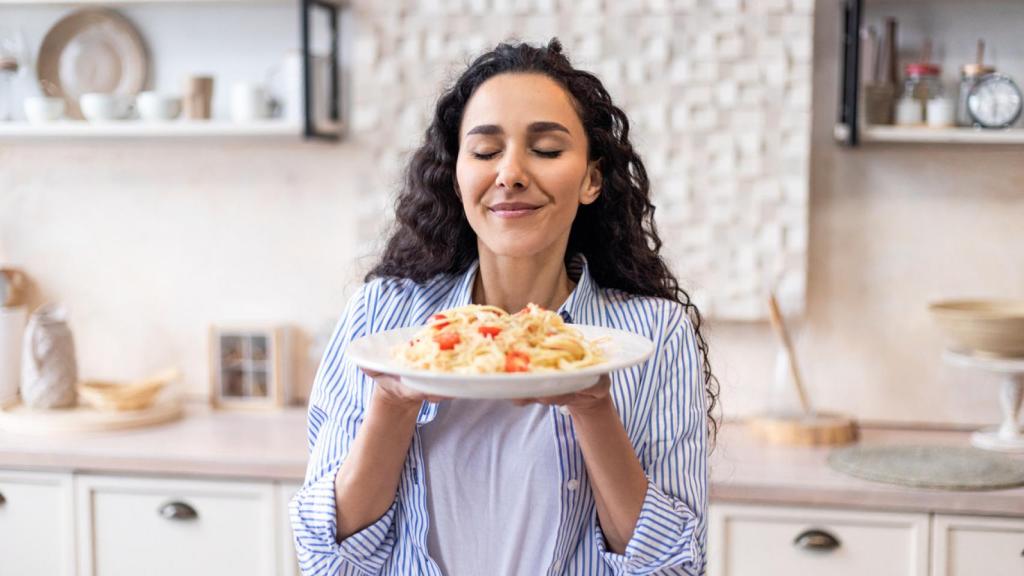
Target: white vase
<point>49,371</point>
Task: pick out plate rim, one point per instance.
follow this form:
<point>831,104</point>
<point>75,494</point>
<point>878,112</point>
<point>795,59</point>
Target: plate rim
<point>404,372</point>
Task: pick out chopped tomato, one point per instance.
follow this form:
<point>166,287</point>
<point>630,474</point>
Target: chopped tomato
<point>438,317</point>
<point>516,361</point>
<point>489,331</point>
<point>441,325</point>
<point>447,340</point>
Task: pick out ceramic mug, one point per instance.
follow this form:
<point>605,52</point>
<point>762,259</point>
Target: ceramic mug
<point>156,106</point>
<point>42,109</point>
<point>248,102</point>
<point>100,107</point>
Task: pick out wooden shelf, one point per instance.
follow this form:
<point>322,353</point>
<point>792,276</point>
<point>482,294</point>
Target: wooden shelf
<point>155,130</point>
<point>925,135</point>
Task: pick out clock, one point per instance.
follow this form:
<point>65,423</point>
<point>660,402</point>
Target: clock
<point>994,101</point>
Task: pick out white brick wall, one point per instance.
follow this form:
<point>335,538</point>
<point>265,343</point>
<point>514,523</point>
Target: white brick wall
<point>718,93</point>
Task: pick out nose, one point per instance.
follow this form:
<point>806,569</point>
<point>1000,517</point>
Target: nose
<point>511,172</point>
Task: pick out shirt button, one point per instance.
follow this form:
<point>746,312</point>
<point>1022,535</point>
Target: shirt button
<point>572,485</point>
<point>564,410</point>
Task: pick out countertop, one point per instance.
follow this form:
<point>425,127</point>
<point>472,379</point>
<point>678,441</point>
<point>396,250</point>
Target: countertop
<point>272,446</point>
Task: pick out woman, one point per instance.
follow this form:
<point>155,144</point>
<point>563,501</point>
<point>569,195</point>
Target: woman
<point>526,189</point>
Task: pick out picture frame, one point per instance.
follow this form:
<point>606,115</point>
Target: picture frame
<point>249,367</point>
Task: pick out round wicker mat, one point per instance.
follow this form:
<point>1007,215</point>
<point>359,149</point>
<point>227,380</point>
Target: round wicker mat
<point>945,467</point>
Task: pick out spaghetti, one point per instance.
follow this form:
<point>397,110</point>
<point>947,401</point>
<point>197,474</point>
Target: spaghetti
<point>477,339</point>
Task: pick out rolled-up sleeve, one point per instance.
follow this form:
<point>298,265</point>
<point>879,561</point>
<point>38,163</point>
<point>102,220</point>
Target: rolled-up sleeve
<point>336,410</point>
<point>670,535</point>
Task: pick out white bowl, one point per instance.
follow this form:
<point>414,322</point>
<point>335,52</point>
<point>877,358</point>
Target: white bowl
<point>42,109</point>
<point>993,328</point>
<point>99,107</point>
<point>155,106</point>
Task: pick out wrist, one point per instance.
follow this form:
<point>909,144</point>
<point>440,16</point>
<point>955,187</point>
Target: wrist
<point>395,408</point>
<point>599,409</point>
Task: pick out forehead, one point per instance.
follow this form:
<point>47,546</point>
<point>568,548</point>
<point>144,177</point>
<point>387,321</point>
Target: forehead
<point>513,101</point>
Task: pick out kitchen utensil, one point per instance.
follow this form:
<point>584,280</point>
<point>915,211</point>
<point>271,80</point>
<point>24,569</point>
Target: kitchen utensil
<point>12,328</point>
<point>988,328</point>
<point>48,366</point>
<point>14,60</point>
<point>808,428</point>
<point>43,109</point>
<point>623,350</point>
<point>92,50</point>
<point>13,287</point>
<point>198,97</point>
<point>106,395</point>
<point>995,101</point>
<point>154,106</point>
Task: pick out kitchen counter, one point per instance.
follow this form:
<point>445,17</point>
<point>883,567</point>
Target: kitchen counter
<point>272,446</point>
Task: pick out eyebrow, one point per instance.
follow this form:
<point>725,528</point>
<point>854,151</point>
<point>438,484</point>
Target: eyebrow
<point>534,128</point>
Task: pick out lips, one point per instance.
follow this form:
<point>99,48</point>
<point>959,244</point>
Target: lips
<point>513,209</point>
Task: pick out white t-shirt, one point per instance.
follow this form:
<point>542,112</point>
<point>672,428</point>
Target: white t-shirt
<point>492,487</point>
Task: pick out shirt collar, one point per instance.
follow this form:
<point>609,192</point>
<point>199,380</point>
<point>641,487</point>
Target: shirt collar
<point>581,298</point>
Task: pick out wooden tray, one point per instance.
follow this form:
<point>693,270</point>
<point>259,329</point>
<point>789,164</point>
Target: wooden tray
<point>19,419</point>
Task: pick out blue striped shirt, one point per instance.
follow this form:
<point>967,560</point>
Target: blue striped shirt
<point>661,404</point>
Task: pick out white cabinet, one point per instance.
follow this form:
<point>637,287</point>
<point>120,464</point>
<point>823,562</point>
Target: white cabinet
<point>969,545</point>
<point>131,526</point>
<point>766,540</point>
<point>36,524</point>
<point>289,563</point>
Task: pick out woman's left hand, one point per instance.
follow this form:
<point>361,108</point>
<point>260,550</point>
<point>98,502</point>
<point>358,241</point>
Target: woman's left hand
<point>579,401</point>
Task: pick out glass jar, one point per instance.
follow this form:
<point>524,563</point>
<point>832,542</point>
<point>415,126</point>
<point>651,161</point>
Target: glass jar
<point>921,84</point>
<point>969,76</point>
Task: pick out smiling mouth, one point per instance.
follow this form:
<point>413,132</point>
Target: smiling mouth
<point>513,209</point>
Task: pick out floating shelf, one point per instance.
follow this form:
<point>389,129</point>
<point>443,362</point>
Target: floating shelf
<point>941,135</point>
<point>156,130</point>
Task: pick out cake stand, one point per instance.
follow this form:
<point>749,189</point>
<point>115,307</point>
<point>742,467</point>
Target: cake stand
<point>1007,437</point>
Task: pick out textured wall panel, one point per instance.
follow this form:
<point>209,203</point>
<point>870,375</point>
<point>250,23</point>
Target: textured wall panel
<point>718,93</point>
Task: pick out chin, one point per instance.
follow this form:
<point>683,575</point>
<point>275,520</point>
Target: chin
<point>515,247</point>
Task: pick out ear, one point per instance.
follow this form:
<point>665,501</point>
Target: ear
<point>592,183</point>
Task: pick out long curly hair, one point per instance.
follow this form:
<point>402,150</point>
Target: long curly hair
<point>616,233</point>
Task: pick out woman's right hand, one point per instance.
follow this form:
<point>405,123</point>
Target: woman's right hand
<point>390,390</point>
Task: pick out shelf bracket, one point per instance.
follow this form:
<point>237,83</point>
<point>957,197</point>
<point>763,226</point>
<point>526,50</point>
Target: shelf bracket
<point>846,130</point>
<point>310,128</point>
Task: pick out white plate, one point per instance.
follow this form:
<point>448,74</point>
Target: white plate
<point>622,350</point>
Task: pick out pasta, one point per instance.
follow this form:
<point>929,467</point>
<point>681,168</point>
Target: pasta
<point>477,339</point>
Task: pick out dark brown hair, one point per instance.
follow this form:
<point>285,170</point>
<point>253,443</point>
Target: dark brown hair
<point>616,233</point>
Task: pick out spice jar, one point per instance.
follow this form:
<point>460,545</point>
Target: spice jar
<point>969,76</point>
<point>922,83</point>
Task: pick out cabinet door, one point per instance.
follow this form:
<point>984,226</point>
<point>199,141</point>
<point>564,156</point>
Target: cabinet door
<point>36,524</point>
<point>131,526</point>
<point>289,565</point>
<point>766,540</point>
<point>968,545</point>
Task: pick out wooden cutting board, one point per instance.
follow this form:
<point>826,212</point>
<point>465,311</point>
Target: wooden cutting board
<point>20,419</point>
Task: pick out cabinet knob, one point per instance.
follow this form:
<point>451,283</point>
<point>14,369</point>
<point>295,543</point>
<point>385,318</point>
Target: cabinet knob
<point>2,499</point>
<point>178,511</point>
<point>815,539</point>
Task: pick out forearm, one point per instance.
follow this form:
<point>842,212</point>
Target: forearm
<point>368,479</point>
<point>616,476</point>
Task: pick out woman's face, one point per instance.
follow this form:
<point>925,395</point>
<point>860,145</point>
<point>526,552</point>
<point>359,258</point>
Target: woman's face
<point>522,169</point>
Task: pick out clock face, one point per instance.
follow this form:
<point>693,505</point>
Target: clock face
<point>995,102</point>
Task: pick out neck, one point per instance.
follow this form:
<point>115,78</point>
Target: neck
<point>512,283</point>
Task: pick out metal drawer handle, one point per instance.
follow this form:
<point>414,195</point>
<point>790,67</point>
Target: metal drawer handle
<point>178,511</point>
<point>2,499</point>
<point>818,540</point>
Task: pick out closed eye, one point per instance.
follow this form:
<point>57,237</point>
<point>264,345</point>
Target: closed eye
<point>548,153</point>
<point>487,156</point>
